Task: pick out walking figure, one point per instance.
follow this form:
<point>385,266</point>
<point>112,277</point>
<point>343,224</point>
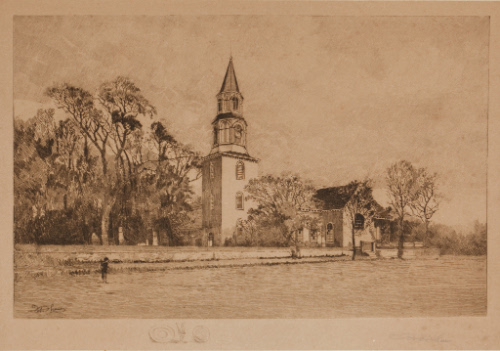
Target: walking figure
<point>104,270</point>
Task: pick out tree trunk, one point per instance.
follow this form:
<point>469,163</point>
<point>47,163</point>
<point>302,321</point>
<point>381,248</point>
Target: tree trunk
<point>105,201</point>
<point>426,234</point>
<point>297,241</point>
<point>169,232</point>
<point>401,239</point>
<point>104,219</point>
<point>353,242</point>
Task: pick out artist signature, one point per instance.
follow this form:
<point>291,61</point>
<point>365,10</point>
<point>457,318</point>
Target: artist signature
<point>46,309</point>
<point>168,334</point>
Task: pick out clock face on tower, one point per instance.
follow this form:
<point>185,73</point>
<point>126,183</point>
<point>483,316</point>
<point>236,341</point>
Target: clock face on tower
<point>238,131</point>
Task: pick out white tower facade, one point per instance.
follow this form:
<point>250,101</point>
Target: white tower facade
<point>228,167</point>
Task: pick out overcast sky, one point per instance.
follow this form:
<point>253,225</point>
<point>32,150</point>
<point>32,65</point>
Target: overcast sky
<point>332,98</point>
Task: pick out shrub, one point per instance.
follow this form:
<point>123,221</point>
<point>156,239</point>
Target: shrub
<point>229,242</point>
<point>58,228</point>
<point>199,242</point>
<point>133,230</point>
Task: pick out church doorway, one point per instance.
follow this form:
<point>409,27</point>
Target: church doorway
<point>210,239</point>
<point>329,232</point>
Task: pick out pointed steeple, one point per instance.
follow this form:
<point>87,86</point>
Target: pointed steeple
<point>230,84</point>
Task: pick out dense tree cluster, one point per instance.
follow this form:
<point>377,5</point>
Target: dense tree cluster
<point>100,170</point>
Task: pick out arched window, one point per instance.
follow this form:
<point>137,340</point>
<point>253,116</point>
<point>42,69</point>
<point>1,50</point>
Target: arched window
<point>219,105</point>
<point>235,103</point>
<point>212,170</point>
<point>329,232</point>
<point>215,136</point>
<point>359,221</point>
<point>240,170</point>
<point>239,200</point>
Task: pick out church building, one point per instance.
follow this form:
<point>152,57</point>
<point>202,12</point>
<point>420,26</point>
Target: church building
<point>228,167</point>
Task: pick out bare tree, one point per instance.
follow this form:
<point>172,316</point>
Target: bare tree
<point>361,203</point>
<point>402,190</point>
<point>124,102</point>
<point>425,204</point>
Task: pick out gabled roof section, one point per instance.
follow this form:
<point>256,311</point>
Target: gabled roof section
<point>230,84</point>
<point>335,197</point>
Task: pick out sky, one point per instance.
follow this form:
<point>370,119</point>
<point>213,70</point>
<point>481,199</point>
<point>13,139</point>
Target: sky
<point>331,98</point>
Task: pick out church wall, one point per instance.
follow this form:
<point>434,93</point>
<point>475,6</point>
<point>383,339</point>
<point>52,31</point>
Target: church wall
<point>347,234</point>
<point>306,235</point>
<point>212,218</point>
<point>335,217</point>
<point>230,214</point>
<point>359,235</point>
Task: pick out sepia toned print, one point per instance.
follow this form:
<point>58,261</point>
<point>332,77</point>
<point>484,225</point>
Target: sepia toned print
<point>250,167</point>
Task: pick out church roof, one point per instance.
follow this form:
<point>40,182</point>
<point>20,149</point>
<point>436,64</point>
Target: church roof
<point>230,84</point>
<point>334,197</point>
<point>337,198</point>
<point>232,154</point>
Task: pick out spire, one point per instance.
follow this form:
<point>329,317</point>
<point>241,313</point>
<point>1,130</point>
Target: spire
<point>230,84</point>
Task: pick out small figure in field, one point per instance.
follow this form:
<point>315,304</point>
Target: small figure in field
<point>296,252</point>
<point>104,270</point>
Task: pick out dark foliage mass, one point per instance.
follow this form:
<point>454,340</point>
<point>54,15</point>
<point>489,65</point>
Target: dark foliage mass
<point>61,227</point>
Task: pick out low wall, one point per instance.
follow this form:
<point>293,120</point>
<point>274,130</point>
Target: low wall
<point>29,255</point>
<point>50,256</point>
<point>408,253</point>
<point>45,261</point>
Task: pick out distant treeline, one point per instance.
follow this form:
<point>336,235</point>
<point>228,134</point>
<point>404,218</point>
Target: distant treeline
<point>448,240</point>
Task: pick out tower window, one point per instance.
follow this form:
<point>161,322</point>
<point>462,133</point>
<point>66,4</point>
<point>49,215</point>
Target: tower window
<point>239,200</point>
<point>240,170</point>
<point>212,170</point>
<point>219,105</point>
<point>215,136</point>
<point>235,103</point>
<point>212,202</point>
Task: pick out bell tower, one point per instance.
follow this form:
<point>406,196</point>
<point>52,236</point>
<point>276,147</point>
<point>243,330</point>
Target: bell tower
<point>229,126</point>
<point>227,168</point>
